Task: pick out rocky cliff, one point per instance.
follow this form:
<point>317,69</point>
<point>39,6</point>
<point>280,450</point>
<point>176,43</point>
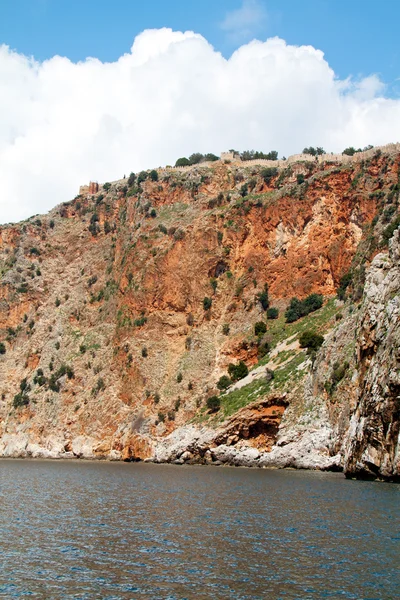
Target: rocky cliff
<point>121,310</point>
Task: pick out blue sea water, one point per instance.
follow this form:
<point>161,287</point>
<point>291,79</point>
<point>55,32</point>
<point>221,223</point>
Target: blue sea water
<point>88,530</point>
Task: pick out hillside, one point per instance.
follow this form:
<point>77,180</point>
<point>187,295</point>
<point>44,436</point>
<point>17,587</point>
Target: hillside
<point>121,310</point>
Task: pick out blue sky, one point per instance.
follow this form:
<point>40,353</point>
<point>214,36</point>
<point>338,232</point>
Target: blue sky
<point>358,37</point>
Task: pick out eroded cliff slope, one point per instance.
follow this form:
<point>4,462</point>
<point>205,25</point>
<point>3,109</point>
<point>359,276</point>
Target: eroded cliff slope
<point>121,310</point>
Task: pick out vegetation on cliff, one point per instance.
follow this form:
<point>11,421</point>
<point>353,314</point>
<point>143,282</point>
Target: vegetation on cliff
<point>171,287</point>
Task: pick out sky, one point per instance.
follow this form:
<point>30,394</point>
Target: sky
<point>94,90</point>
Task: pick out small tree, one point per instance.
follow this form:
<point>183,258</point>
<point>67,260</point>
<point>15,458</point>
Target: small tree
<point>263,297</point>
<point>207,303</point>
<point>211,157</point>
<point>268,174</point>
<point>196,158</point>
<point>272,313</point>
<point>213,404</point>
<point>214,284</point>
<point>106,186</point>
<point>153,175</point>
<point>310,340</point>
<point>238,371</point>
<point>300,178</point>
<point>224,382</point>
<point>182,162</point>
<point>260,328</point>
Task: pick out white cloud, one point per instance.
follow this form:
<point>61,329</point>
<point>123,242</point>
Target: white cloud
<point>62,124</point>
<point>246,21</point>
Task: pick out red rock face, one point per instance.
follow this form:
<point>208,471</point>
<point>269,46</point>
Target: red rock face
<point>114,287</point>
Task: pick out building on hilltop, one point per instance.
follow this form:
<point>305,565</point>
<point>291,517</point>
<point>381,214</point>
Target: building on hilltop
<point>92,188</point>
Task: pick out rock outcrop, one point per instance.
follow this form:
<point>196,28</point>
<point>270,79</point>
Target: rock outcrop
<point>372,447</point>
<point>121,310</point>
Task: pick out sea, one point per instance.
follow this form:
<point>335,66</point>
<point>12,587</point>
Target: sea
<point>113,530</point>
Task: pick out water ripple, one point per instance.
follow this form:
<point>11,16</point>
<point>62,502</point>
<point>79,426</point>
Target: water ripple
<point>81,530</point>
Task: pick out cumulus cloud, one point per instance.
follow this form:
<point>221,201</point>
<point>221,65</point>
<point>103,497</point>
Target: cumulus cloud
<point>246,21</point>
<point>63,124</point>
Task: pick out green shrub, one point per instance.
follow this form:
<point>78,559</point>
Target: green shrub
<point>224,382</point>
<point>2,348</point>
<point>300,308</point>
<point>107,186</point>
<point>99,387</point>
<point>23,288</point>
<point>311,341</point>
<point>140,321</point>
<point>57,302</point>
<point>39,378</point>
<point>263,349</point>
<point>260,328</point>
<point>153,213</point>
<point>144,352</point>
<point>344,282</point>
<point>213,403</point>
<point>263,297</point>
<point>131,179</point>
<point>51,224</point>
<point>244,190</point>
<point>338,372</point>
<point>225,329</point>
<point>207,303</point>
<point>313,302</point>
<point>268,174</point>
<point>389,231</point>
<point>179,377</point>
<point>34,251</point>
<point>142,177</point>
<point>272,313</point>
<point>238,371</point>
<point>161,417</point>
<point>153,175</point>
<point>20,399</point>
<point>300,178</point>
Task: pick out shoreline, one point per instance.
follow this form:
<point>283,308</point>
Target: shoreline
<point>103,460</point>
